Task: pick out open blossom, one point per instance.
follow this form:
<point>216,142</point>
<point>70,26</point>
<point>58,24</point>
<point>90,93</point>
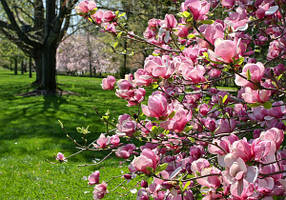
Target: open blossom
<point>238,175</point>
<point>102,141</point>
<point>178,122</point>
<point>125,151</point>
<point>94,178</point>
<point>225,50</point>
<point>85,6</point>
<point>170,21</point>
<point>146,161</point>
<point>212,181</point>
<point>60,157</point>
<point>198,8</point>
<point>255,71</point>
<point>126,125</point>
<point>100,191</point>
<point>255,96</point>
<point>108,83</point>
<point>274,134</point>
<point>159,66</point>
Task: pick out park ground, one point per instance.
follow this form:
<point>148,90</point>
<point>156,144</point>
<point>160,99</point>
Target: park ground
<point>30,137</point>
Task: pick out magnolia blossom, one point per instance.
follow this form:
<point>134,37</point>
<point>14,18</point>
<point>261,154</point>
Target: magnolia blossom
<point>198,8</point>
<point>60,157</point>
<point>100,191</point>
<point>157,106</point>
<point>126,125</point>
<point>85,6</point>
<point>125,151</point>
<point>94,178</point>
<point>240,176</point>
<point>108,83</point>
<point>250,72</point>
<point>146,161</point>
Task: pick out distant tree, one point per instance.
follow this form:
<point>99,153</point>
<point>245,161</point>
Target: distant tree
<point>80,54</point>
<point>37,27</point>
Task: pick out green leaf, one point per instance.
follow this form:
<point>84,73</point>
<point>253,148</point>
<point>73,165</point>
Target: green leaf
<point>279,77</point>
<point>208,21</point>
<point>172,115</point>
<point>267,105</point>
<point>191,36</point>
<point>186,185</point>
<point>115,44</point>
<point>224,98</point>
<point>61,124</point>
<point>122,15</point>
<point>240,60</point>
<point>119,35</point>
<point>162,167</point>
<point>248,74</point>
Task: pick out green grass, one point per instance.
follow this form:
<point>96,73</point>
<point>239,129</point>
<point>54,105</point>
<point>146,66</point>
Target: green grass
<point>30,137</point>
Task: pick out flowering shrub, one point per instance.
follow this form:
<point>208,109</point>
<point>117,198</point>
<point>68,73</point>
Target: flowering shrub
<point>200,140</point>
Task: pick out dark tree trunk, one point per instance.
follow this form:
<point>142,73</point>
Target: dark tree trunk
<point>48,81</point>
<point>22,67</point>
<point>30,67</point>
<point>38,67</point>
<point>16,67</point>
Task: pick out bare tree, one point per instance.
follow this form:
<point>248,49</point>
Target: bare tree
<point>37,27</point>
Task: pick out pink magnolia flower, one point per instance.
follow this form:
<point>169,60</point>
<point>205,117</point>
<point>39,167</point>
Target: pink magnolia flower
<point>278,109</point>
<point>227,3</point>
<point>225,50</point>
<point>212,181</point>
<point>146,161</point>
<point>241,149</point>
<point>94,178</point>
<point>274,134</point>
<point>198,8</point>
<point>137,96</point>
<point>263,150</point>
<point>114,140</point>
<point>108,16</point>
<point>225,125</point>
<point>239,176</point>
<point>224,143</point>
<point>157,106</point>
<point>255,96</point>
<point>142,78</point>
<point>126,125</point>
<point>85,6</point>
<point>108,83</point>
<point>194,74</point>
<point>125,151</point>
<point>256,72</point>
<point>211,32</point>
<point>100,191</point>
<point>178,122</point>
<point>60,157</point>
<point>98,16</point>
<point>199,165</point>
<point>237,20</point>
<point>102,141</point>
<point>159,66</point>
<point>170,21</point>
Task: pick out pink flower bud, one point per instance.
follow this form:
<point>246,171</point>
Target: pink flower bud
<point>157,106</point>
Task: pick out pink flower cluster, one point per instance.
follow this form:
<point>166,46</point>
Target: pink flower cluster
<point>201,140</point>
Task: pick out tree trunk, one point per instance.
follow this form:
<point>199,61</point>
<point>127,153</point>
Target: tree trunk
<point>38,67</point>
<point>30,67</point>
<point>16,67</point>
<point>48,81</point>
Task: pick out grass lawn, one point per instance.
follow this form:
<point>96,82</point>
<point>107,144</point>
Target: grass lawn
<point>30,137</point>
